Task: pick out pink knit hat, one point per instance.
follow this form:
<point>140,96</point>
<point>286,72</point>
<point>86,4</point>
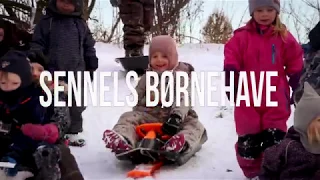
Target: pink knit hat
<point>254,4</point>
<point>166,45</point>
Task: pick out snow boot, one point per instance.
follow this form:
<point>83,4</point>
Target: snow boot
<point>47,160</point>
<point>75,140</point>
<point>176,144</point>
<point>68,164</point>
<point>116,142</point>
<point>134,52</point>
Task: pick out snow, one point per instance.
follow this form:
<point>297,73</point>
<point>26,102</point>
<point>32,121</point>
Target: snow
<point>217,158</point>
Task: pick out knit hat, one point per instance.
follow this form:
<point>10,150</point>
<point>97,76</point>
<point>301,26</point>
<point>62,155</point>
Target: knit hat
<point>306,111</point>
<point>254,4</point>
<point>166,45</point>
<point>17,62</point>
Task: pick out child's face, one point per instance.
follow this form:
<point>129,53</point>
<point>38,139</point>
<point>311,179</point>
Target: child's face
<point>37,69</point>
<point>265,15</point>
<point>313,131</point>
<point>1,34</point>
<point>9,81</point>
<point>159,61</point>
<point>65,6</point>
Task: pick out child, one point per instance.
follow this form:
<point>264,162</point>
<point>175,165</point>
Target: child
<point>263,45</point>
<point>68,164</point>
<point>65,38</point>
<point>311,70</point>
<point>298,155</point>
<point>179,121</point>
<point>28,129</point>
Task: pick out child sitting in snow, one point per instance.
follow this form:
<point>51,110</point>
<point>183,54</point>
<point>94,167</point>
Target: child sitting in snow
<point>298,155</point>
<point>188,133</point>
<point>27,133</point>
<point>68,164</point>
<point>263,44</point>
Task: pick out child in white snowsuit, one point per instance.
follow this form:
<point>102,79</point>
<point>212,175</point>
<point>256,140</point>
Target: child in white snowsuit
<point>181,122</point>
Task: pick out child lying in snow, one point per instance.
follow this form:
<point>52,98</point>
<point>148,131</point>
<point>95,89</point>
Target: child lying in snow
<point>298,155</point>
<point>26,130</point>
<point>179,121</point>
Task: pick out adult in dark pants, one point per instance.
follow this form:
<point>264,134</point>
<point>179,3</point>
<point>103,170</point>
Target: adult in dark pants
<point>137,17</point>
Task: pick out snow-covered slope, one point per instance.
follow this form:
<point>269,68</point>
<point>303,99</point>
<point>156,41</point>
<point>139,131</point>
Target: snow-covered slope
<point>215,161</point>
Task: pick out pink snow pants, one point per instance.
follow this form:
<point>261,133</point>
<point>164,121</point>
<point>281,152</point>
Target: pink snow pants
<point>252,120</point>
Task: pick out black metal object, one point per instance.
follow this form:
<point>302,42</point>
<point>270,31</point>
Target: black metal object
<point>139,64</point>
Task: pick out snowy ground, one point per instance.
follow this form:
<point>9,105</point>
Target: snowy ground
<point>216,160</point>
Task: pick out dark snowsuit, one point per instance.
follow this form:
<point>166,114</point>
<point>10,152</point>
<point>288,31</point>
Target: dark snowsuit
<point>69,45</point>
<point>290,161</point>
<point>137,17</point>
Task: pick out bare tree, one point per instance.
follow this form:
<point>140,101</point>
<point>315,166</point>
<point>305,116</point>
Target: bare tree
<point>218,28</point>
<point>107,35</point>
<point>188,17</point>
<point>26,12</point>
<point>167,16</point>
<point>303,15</point>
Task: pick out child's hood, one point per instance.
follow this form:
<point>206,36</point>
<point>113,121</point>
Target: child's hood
<point>166,45</point>
<point>77,3</point>
<point>17,62</point>
<point>307,110</point>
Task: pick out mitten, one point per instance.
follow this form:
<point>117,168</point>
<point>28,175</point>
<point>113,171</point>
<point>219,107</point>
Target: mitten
<point>294,84</point>
<point>48,132</point>
<point>172,125</point>
<point>114,3</point>
<point>228,71</point>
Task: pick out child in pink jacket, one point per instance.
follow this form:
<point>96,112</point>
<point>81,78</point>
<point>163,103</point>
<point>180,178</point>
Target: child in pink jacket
<point>263,44</point>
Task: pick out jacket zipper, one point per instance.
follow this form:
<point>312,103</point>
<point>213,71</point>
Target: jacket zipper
<point>273,54</point>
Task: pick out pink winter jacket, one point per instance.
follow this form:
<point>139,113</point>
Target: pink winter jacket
<point>249,50</point>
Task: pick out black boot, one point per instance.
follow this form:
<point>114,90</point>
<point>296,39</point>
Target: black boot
<point>47,159</point>
<point>271,136</point>
<point>134,52</point>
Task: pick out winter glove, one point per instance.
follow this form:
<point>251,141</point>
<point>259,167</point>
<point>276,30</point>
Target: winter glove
<point>228,71</point>
<point>294,84</point>
<point>114,3</point>
<point>48,132</point>
<point>172,125</point>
